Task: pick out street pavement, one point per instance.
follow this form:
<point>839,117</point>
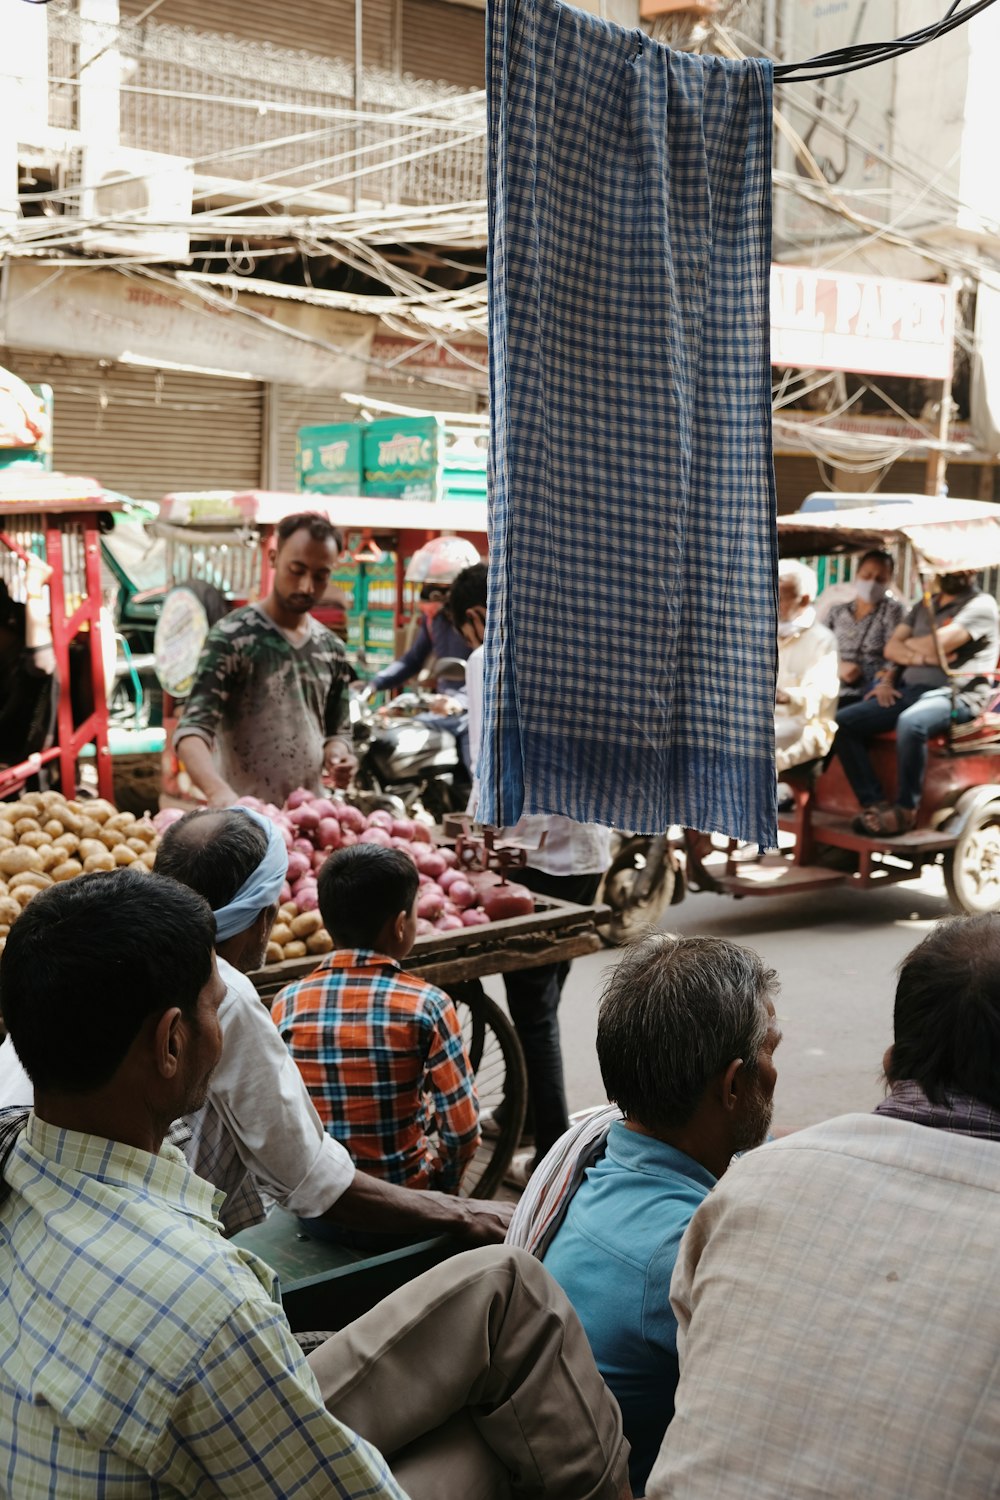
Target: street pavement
<point>835,954</point>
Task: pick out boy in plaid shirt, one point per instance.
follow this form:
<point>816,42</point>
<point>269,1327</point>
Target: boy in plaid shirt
<point>380,1051</point>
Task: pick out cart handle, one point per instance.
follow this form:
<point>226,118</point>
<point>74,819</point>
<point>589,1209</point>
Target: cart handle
<point>12,546</point>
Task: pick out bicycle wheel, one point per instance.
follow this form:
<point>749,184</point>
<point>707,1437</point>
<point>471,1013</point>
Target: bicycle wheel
<point>498,1063</point>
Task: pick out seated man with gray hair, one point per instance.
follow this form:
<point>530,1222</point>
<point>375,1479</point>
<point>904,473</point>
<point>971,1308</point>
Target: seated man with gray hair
<point>805,703</point>
<point>685,1037</point>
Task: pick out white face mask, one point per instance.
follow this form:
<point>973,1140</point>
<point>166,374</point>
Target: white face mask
<point>801,621</point>
<point>870,590</point>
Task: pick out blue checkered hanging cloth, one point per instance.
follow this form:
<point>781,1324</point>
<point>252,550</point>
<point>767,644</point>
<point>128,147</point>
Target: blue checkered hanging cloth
<point>632,619</point>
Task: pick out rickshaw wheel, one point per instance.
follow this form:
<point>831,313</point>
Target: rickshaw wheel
<point>972,868</point>
<point>631,918</point>
<point>498,1063</point>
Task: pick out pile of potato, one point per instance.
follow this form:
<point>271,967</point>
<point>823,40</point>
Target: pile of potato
<point>297,934</point>
<point>44,839</point>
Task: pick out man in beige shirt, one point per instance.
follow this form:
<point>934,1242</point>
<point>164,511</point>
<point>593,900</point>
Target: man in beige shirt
<point>805,702</point>
<point>838,1320</point>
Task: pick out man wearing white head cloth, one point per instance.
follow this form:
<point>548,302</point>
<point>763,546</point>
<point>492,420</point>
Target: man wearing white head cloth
<point>258,1135</point>
<point>805,703</point>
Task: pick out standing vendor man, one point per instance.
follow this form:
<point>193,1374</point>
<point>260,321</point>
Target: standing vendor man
<point>268,709</point>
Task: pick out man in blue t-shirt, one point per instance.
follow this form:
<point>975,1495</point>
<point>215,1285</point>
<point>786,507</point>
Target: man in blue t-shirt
<point>686,1038</point>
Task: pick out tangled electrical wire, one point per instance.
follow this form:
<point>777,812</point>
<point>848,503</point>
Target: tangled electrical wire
<point>859,55</point>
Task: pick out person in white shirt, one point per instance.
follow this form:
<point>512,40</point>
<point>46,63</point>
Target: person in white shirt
<point>258,1136</point>
<point>568,860</point>
<point>805,702</point>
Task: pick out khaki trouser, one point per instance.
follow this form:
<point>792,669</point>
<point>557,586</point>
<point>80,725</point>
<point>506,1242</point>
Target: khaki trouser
<point>477,1383</point>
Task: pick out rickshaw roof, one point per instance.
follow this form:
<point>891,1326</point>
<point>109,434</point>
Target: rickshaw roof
<point>944,534</point>
<point>23,492</point>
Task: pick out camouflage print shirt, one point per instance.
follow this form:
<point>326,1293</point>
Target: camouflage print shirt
<point>267,705</point>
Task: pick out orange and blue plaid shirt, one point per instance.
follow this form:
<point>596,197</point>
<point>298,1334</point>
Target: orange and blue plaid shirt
<point>382,1056</point>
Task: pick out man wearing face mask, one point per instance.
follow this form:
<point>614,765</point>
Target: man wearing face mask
<point>805,703</point>
<point>863,625</point>
<point>959,629</point>
<point>435,567</point>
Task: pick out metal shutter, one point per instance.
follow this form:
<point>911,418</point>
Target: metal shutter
<point>146,432</point>
<point>325,27</point>
<point>308,408</point>
<point>444,42</point>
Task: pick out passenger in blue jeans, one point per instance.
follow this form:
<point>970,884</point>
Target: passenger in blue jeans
<point>918,698</point>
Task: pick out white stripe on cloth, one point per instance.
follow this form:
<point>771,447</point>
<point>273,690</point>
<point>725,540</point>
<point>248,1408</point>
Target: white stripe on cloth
<point>543,1204</point>
<point>630,645</point>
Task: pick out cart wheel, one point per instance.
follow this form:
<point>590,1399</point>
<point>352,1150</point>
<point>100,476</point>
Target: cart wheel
<point>631,919</point>
<point>972,868</point>
<point>498,1063</point>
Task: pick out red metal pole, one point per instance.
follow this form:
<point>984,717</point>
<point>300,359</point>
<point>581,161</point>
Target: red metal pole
<point>60,649</point>
<point>92,546</point>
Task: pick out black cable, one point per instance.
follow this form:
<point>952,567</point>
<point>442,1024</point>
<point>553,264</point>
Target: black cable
<point>852,58</point>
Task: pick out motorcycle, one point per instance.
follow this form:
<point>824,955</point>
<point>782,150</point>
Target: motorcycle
<point>405,763</point>
<point>644,879</point>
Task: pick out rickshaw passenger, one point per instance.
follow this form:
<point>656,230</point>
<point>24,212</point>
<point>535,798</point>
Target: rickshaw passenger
<point>805,702</point>
<point>920,700</point>
<point>863,625</point>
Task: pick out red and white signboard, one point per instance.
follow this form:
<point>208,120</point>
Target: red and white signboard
<point>832,320</point>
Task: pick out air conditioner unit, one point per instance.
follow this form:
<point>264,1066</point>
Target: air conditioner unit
<point>133,199</point>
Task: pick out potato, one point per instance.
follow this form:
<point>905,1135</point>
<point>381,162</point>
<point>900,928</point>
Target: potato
<point>141,867</point>
<point>35,840</point>
<point>50,856</point>
<point>305,925</point>
<point>295,950</point>
<point>103,861</point>
<point>13,861</point>
<point>139,846</point>
<point>89,829</point>
<point>30,877</point>
<point>112,837</point>
<point>52,799</point>
<point>147,860</point>
<point>71,820</point>
<point>281,933</point>
<point>274,954</point>
<point>24,894</point>
<point>320,942</point>
<point>287,911</point>
<point>100,810</point>
<point>89,847</point>
<point>121,820</point>
<point>142,830</point>
<point>32,799</point>
<point>123,855</point>
<point>9,910</point>
<point>7,830</point>
<point>53,828</point>
<point>27,825</point>
<point>67,870</point>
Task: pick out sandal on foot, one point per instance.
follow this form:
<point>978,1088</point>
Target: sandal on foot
<point>888,821</point>
<point>868,820</point>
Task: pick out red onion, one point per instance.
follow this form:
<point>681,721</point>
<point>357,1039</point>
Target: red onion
<point>165,817</point>
<point>431,863</point>
<point>347,838</point>
<point>304,817</point>
<point>421,833</point>
<point>430,904</point>
<point>306,898</point>
<point>475,917</point>
<point>351,818</point>
<point>449,924</point>
<point>323,807</point>
<point>380,819</point>
<point>375,836</point>
<point>299,864</point>
<point>298,797</point>
<point>461,893</point>
<point>328,834</point>
<point>508,901</point>
<point>402,828</point>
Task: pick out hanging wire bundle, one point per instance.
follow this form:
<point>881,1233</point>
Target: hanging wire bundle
<point>859,55</point>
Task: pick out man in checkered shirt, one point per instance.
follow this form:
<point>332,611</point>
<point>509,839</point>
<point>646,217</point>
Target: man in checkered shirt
<point>143,1354</point>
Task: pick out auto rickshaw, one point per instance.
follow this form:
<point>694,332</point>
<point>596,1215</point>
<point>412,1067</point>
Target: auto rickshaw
<point>958,823</point>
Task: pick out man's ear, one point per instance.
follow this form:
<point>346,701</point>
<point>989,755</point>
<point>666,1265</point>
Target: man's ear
<point>167,1042</point>
<point>266,921</point>
<point>399,926</point>
<point>731,1090</point>
<point>887,1060</point>
<point>272,555</point>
